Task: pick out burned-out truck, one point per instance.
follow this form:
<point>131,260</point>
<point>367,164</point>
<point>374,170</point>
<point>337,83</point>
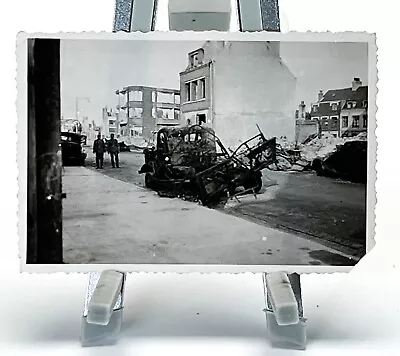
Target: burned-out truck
<point>192,162</point>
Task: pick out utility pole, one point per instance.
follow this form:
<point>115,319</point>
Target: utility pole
<point>77,99</point>
<point>44,180</point>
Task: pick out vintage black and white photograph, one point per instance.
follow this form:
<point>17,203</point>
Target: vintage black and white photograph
<point>231,151</point>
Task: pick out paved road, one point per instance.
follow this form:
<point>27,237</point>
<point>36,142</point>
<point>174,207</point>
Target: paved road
<point>329,211</point>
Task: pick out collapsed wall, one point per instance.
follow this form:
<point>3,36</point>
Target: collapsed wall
<point>252,86</point>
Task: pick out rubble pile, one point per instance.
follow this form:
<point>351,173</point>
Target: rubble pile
<point>320,147</point>
<point>134,143</point>
<point>289,158</point>
<point>328,155</point>
<point>348,162</point>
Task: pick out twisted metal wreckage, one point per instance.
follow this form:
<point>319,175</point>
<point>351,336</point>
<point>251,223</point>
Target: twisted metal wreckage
<point>192,162</point>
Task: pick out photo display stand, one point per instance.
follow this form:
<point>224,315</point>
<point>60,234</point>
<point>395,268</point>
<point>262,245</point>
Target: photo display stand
<point>104,302</point>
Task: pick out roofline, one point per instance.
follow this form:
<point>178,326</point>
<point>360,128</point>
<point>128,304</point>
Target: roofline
<point>347,88</point>
<point>141,87</point>
<point>361,86</point>
<point>196,50</point>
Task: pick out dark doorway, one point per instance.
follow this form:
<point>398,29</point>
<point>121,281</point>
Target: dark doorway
<point>201,119</point>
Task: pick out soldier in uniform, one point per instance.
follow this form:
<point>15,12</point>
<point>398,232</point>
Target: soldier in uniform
<point>113,150</point>
<point>99,148</point>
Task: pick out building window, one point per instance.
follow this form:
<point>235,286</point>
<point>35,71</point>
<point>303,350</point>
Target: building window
<point>356,121</point>
<point>201,119</point>
<point>111,122</point>
<point>177,98</point>
<point>202,88</point>
<point>136,95</point>
<point>187,91</point>
<point>196,58</point>
<point>315,118</point>
<point>135,112</point>
<point>365,121</point>
<point>176,114</point>
<point>334,106</point>
<point>112,130</point>
<point>167,114</point>
<point>315,108</point>
<point>334,122</point>
<point>165,98</point>
<point>345,121</point>
<point>193,89</point>
<point>351,104</point>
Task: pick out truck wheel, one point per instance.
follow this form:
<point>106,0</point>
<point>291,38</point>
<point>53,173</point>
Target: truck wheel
<point>255,182</point>
<point>148,181</point>
<point>258,183</point>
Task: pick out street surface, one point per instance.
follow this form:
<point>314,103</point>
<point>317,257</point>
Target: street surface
<point>324,210</point>
<point>106,220</point>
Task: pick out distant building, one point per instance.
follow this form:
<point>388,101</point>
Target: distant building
<point>144,110</point>
<point>110,123</point>
<point>342,111</point>
<point>233,86</point>
<point>304,126</point>
<point>301,111</point>
<point>70,125</point>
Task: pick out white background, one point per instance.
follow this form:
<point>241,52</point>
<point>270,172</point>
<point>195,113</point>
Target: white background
<point>357,313</point>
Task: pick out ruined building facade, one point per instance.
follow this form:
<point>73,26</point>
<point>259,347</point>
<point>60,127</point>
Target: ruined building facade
<point>143,110</point>
<point>234,86</point>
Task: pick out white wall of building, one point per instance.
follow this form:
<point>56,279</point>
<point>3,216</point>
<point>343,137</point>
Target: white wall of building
<point>251,85</point>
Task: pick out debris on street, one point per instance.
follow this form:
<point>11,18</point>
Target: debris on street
<point>191,162</point>
<point>321,154</point>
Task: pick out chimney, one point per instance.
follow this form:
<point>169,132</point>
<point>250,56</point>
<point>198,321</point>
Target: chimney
<point>320,95</point>
<point>356,84</point>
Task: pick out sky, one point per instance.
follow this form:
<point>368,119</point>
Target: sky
<point>92,70</point>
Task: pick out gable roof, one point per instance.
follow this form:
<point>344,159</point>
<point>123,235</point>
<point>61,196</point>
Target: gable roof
<point>342,95</point>
<point>346,94</point>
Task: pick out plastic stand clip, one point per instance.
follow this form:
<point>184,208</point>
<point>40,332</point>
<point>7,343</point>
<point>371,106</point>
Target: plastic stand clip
<point>102,316</point>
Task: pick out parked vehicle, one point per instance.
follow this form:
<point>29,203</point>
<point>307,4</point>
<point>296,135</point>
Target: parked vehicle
<point>123,147</point>
<point>72,151</point>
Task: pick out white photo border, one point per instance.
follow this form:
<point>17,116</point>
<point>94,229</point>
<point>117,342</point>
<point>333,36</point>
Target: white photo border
<point>22,146</point>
